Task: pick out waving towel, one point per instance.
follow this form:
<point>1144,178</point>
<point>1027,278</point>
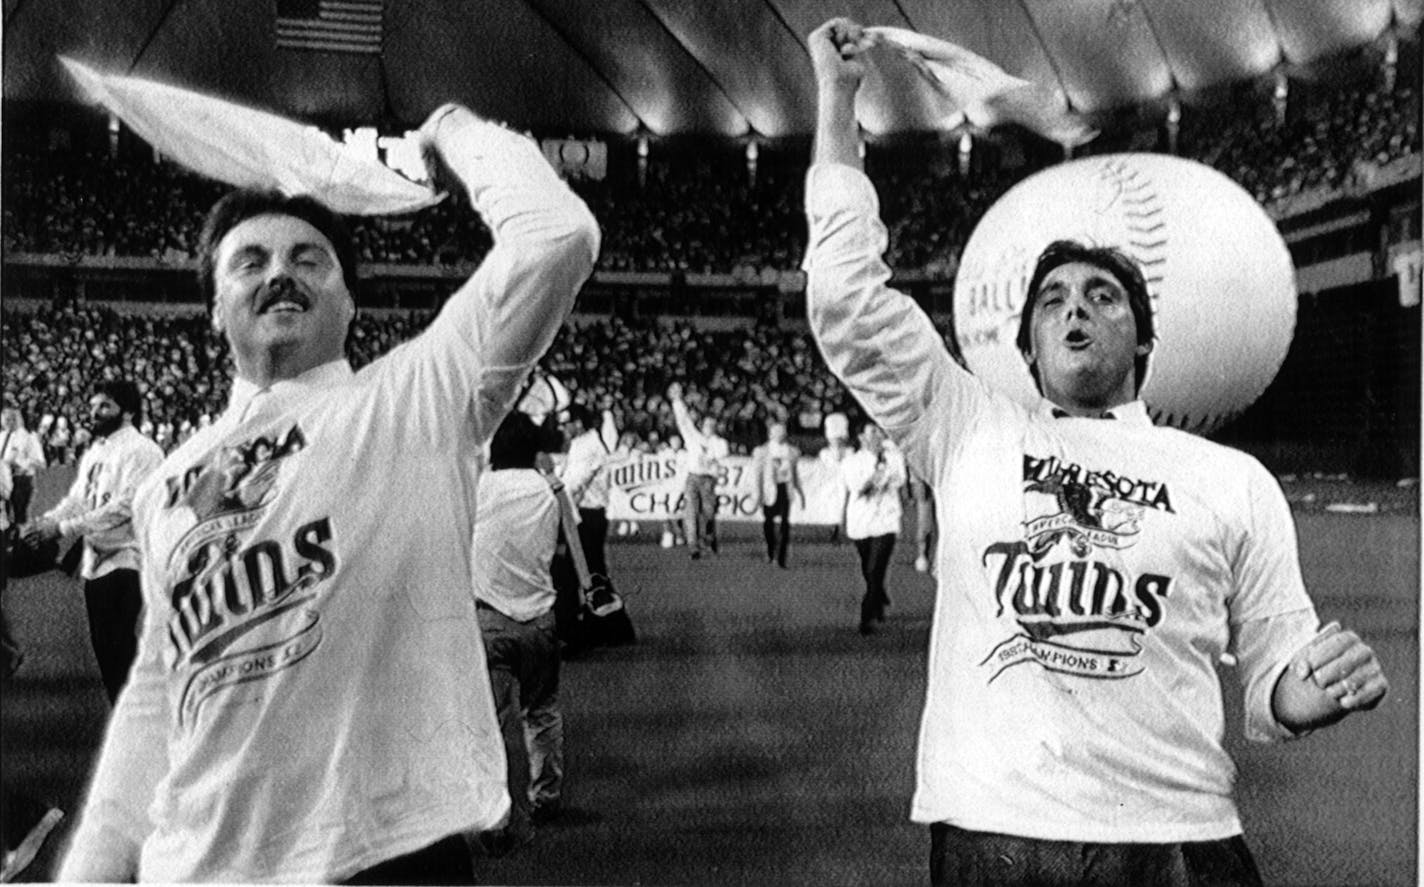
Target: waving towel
<point>981,92</point>
<point>249,148</point>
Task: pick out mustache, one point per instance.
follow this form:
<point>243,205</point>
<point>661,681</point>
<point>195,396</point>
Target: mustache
<point>282,289</point>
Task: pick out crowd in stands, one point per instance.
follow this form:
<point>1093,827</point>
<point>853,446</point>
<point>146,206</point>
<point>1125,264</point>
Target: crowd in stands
<point>54,355</point>
<point>700,211</point>
<point>1321,144</point>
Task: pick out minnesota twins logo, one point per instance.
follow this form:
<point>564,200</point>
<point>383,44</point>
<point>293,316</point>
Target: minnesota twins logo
<point>239,605</point>
<point>1077,615</point>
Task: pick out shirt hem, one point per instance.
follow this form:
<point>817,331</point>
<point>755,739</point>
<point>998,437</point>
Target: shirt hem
<point>1138,833</point>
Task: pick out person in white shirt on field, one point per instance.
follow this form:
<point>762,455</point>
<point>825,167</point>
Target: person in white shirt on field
<point>585,475</point>
<point>701,463</point>
<point>674,529</point>
<point>778,476</point>
<point>1093,570</point>
<point>516,528</point>
<point>838,446</point>
<point>23,451</point>
<point>873,477</point>
<point>310,701</point>
<point>99,510</point>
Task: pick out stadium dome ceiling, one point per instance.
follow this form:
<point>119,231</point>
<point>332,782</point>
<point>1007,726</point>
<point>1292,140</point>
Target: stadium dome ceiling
<point>728,67</point>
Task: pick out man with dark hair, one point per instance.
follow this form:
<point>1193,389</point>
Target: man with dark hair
<point>873,477</point>
<point>516,528</point>
<point>310,703</point>
<point>701,464</point>
<point>1094,569</point>
<point>99,509</point>
<point>778,475</point>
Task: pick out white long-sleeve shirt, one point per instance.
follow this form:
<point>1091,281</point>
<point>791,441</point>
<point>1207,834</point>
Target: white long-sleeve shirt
<point>310,696</point>
<point>22,451</point>
<point>99,505</point>
<point>872,483</point>
<point>700,453</point>
<point>584,472</point>
<point>516,530</point>
<point>1091,573</point>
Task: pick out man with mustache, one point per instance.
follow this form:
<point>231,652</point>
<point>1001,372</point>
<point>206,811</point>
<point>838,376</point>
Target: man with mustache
<point>310,701</point>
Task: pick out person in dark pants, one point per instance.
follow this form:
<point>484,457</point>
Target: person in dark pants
<point>585,475</point>
<point>774,465</point>
<point>873,477</point>
<point>98,509</point>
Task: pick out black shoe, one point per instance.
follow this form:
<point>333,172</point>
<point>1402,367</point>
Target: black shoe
<point>867,627</point>
<point>696,555</point>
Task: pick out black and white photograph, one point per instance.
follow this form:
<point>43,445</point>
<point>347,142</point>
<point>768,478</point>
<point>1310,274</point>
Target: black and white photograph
<point>962,443</point>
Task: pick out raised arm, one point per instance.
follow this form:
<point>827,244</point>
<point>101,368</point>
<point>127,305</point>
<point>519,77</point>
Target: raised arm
<point>685,426</point>
<point>545,243</point>
<point>874,338</point>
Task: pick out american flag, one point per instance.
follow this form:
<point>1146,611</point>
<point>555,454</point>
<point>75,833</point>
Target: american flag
<point>330,25</point>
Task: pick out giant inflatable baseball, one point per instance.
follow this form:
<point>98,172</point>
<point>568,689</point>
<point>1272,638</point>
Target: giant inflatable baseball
<point>1222,284</point>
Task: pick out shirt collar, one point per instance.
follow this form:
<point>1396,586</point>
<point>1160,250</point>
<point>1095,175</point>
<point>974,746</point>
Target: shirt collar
<point>326,375</point>
<point>1133,412</point>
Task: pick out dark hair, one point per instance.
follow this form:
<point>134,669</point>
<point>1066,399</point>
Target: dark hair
<point>516,442</point>
<point>124,393</point>
<point>239,206</point>
<point>1110,259</point>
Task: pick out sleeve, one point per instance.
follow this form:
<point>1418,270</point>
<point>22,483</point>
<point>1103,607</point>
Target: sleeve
<point>135,465</point>
<point>874,338</point>
<point>580,467</point>
<point>1271,615</point>
<point>608,431</point>
<point>133,759</point>
<point>855,473</point>
<point>34,452</point>
<point>685,427</point>
<point>72,505</point>
<point>493,330</point>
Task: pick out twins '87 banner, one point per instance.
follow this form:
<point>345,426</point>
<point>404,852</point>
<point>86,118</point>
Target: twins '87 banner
<point>650,487</point>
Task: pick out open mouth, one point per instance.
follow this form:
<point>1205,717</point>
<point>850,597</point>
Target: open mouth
<point>284,300</point>
<point>1078,340</point>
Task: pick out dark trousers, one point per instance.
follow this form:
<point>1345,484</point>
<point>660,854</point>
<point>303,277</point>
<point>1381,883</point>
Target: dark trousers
<point>778,511</point>
<point>874,554</point>
<point>962,858</point>
<point>21,492</point>
<point>593,535</point>
<point>447,861</point>
<point>114,602</point>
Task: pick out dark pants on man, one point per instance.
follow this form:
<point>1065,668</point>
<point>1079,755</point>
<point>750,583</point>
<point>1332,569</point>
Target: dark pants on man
<point>114,602</point>
<point>447,861</point>
<point>593,535</point>
<point>874,554</point>
<point>778,511</point>
<point>962,858</point>
<point>22,490</point>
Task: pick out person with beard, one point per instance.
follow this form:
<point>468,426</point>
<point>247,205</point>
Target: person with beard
<point>99,509</point>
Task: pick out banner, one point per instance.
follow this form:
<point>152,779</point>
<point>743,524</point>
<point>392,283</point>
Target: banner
<point>648,487</point>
